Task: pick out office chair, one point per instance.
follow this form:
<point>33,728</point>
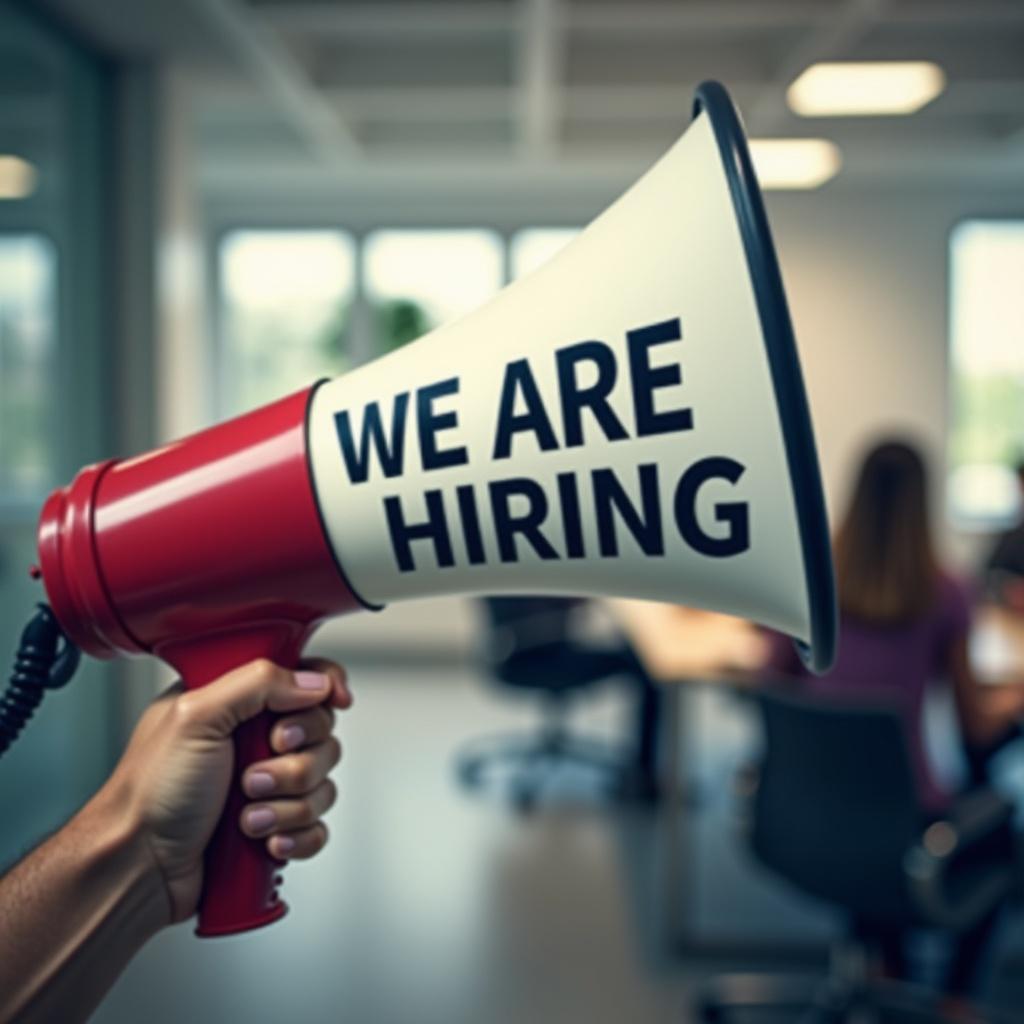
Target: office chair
<point>527,645</point>
<point>833,810</point>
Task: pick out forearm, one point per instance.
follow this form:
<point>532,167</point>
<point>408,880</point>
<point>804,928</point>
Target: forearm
<point>74,912</point>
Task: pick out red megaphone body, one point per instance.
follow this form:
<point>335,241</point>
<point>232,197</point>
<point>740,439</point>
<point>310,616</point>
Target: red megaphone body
<point>208,552</point>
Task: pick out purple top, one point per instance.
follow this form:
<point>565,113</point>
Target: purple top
<point>893,663</point>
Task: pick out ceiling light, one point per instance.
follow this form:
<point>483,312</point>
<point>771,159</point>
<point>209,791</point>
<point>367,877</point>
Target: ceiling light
<point>880,88</point>
<point>794,163</point>
<point>17,177</point>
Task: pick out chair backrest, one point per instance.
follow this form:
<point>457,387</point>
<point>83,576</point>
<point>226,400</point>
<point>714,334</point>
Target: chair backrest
<point>522,632</point>
<point>836,807</point>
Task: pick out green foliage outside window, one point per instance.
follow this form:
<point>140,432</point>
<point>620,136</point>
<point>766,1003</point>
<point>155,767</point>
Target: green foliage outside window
<point>400,321</point>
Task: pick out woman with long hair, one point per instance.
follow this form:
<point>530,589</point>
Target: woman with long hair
<point>903,627</point>
<point>904,618</point>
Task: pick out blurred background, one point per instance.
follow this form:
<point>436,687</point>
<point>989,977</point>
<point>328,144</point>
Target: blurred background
<point>209,203</point>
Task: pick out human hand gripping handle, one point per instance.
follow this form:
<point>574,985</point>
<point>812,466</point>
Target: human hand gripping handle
<point>236,769</point>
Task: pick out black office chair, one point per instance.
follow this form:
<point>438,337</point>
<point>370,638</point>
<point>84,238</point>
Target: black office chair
<point>833,810</point>
<point>528,644</point>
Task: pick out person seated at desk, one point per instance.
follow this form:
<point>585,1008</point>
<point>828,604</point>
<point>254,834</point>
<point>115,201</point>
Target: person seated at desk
<point>904,622</point>
<point>1004,568</point>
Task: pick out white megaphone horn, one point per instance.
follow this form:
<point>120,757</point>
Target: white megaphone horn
<point>628,420</point>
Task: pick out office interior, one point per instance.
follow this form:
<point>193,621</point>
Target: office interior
<point>208,204</point>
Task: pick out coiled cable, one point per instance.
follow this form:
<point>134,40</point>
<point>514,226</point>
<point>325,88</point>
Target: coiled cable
<point>46,660</point>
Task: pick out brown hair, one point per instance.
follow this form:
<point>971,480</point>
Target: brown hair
<point>886,567</point>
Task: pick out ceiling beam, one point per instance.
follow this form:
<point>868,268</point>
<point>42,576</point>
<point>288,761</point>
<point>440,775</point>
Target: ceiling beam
<point>454,18</point>
<point>437,103</point>
<point>399,20</point>
<point>961,98</point>
<point>586,102</point>
<point>282,79</point>
<point>939,165</point>
<point>644,17</point>
<point>540,77</point>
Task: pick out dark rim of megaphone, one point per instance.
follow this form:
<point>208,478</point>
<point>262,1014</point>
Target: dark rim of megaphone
<point>784,363</point>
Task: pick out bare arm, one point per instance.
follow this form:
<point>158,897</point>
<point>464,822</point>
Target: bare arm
<point>75,910</point>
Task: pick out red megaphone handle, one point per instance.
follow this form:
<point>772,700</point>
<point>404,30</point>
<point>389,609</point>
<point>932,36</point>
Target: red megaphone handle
<point>240,878</point>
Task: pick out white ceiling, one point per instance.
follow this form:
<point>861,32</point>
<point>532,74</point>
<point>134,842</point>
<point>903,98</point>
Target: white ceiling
<point>313,91</point>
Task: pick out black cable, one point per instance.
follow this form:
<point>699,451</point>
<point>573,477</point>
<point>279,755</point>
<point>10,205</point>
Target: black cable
<point>46,660</point>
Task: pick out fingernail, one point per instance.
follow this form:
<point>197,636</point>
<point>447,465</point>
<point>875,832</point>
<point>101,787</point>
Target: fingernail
<point>259,783</point>
<point>283,845</point>
<point>311,681</point>
<point>259,819</point>
<point>292,736</point>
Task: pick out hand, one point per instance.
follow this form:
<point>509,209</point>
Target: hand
<point>173,779</point>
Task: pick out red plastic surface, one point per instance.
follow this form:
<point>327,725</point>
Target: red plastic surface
<point>208,552</point>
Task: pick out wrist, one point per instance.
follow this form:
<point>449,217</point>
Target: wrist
<point>118,856</point>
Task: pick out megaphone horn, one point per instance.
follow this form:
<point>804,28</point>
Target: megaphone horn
<point>628,420</point>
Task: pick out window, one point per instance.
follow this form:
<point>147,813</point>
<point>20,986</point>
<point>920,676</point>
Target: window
<point>294,307</point>
<point>987,371</point>
<point>285,302</point>
<point>417,280</point>
<point>28,272</point>
<point>533,247</point>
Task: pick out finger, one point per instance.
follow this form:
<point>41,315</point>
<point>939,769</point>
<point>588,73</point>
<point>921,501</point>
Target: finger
<point>218,708</point>
<point>341,695</point>
<point>273,816</point>
<point>300,844</point>
<point>302,730</point>
<point>292,774</point>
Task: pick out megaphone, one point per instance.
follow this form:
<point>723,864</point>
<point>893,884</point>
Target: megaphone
<point>628,420</point>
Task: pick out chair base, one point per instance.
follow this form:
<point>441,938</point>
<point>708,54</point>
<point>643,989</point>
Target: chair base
<point>528,766</point>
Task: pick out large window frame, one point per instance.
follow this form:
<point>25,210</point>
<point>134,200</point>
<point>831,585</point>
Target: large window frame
<point>224,363</point>
<point>220,229</point>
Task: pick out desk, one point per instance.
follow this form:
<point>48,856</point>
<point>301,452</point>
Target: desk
<point>678,645</point>
<point>684,647</point>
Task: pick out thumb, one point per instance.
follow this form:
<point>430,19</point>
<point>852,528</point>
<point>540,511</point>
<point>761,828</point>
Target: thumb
<point>217,709</point>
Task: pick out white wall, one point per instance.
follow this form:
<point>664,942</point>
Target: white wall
<point>866,284</point>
